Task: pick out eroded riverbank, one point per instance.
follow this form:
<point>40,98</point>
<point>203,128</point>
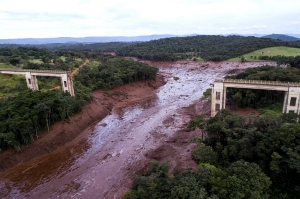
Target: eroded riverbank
<point>101,161</point>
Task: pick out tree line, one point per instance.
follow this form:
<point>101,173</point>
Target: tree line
<point>208,47</point>
<point>284,60</point>
<point>110,72</point>
<point>242,157</point>
<point>24,57</point>
<point>27,113</point>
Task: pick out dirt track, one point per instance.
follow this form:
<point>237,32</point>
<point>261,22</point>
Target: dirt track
<point>101,160</point>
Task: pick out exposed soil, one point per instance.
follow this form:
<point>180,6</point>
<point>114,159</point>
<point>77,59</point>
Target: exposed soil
<point>65,131</point>
<point>76,70</point>
<point>97,154</point>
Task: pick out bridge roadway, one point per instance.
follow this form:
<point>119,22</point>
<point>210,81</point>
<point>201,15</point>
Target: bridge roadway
<point>31,80</point>
<point>291,90</point>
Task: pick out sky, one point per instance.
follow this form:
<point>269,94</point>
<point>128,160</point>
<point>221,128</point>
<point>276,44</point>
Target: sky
<point>83,18</point>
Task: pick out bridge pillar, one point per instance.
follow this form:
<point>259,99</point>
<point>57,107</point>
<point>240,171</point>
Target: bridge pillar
<point>31,81</point>
<point>218,98</point>
<point>292,104</point>
<point>67,84</point>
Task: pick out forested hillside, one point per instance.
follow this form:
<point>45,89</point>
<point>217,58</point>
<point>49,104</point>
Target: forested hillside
<point>107,71</point>
<point>208,47</point>
<point>281,37</point>
<point>36,58</point>
<point>286,60</point>
<point>80,47</point>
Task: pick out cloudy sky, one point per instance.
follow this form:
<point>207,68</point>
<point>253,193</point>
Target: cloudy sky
<point>82,18</point>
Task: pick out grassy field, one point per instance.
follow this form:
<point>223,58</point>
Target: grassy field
<point>277,108</point>
<point>272,51</point>
<point>93,64</point>
<point>36,61</point>
<point>78,59</point>
<point>9,82</point>
<point>4,65</point>
<point>63,58</point>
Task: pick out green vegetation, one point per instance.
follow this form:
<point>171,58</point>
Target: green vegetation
<point>96,47</point>
<point>289,61</point>
<point>42,59</point>
<point>10,85</point>
<point>6,65</point>
<point>242,157</point>
<point>107,71</point>
<point>25,113</point>
<point>262,98</point>
<point>34,58</point>
<point>36,61</point>
<point>272,51</point>
<point>276,107</point>
<point>208,47</point>
<point>207,93</point>
<point>29,112</point>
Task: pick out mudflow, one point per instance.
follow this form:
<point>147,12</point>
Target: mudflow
<point>117,136</point>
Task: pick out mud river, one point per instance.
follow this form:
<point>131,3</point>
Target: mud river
<point>102,160</point>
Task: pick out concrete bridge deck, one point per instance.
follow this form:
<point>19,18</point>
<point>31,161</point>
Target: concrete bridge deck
<point>291,89</point>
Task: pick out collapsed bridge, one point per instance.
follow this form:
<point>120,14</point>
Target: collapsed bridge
<point>31,80</point>
<point>291,89</point>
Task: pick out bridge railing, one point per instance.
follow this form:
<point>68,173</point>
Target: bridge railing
<point>258,82</point>
<point>32,70</point>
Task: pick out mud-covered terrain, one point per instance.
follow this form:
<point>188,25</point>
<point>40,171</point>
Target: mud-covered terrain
<point>96,156</point>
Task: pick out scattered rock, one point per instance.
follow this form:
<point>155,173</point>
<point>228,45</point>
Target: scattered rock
<point>103,124</point>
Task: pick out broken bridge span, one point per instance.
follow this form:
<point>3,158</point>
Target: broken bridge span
<point>291,89</point>
<point>31,80</point>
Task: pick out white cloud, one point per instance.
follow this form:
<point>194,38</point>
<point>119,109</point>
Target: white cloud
<point>79,18</point>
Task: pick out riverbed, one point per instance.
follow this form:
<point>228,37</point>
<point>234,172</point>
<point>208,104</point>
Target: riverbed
<point>102,160</point>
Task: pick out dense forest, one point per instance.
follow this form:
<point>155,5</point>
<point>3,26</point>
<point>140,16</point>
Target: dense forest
<point>97,47</point>
<point>25,113</point>
<point>28,113</point>
<point>261,98</point>
<point>37,58</point>
<point>242,157</point>
<point>109,72</point>
<point>284,60</point>
<point>208,47</point>
<point>75,47</point>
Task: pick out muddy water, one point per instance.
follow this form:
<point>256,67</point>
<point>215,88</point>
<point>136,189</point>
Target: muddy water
<point>100,162</point>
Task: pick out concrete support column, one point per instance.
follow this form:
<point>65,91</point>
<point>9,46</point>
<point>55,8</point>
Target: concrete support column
<point>31,81</point>
<point>293,102</point>
<point>217,98</point>
<point>70,85</point>
<point>34,81</point>
<point>224,97</point>
<point>67,84</point>
<point>285,102</point>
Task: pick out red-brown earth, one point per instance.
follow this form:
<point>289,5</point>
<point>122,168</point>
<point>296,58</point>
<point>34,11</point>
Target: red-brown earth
<point>97,153</point>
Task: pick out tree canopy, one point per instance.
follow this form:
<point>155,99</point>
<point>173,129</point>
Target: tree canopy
<point>208,47</point>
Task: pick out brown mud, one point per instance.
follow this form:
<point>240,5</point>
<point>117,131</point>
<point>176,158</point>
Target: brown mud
<point>115,138</point>
<point>65,131</point>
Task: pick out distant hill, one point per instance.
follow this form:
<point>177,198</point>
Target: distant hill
<point>281,37</point>
<point>74,40</point>
<point>143,38</point>
<point>207,47</point>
